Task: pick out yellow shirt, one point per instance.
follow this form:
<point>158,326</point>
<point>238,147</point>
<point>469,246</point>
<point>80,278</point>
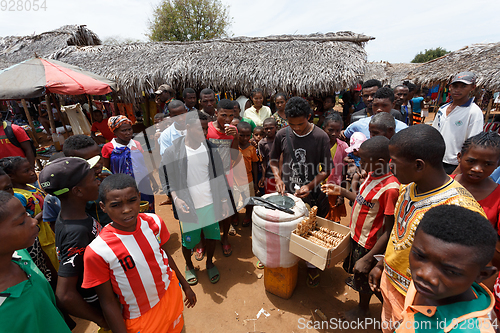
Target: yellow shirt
<point>409,210</point>
<point>258,117</point>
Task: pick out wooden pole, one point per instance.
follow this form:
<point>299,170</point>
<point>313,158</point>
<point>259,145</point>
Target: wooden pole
<point>50,114</point>
<point>30,121</point>
<point>488,109</point>
<point>147,113</point>
<point>91,108</point>
<point>63,121</point>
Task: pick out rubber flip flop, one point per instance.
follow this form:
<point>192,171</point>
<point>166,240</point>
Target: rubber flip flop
<point>312,282</point>
<point>213,274</point>
<point>226,250</point>
<point>199,254</point>
<point>191,277</point>
<point>259,265</point>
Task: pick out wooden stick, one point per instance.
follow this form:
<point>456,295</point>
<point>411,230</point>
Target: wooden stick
<point>30,121</point>
<point>50,114</point>
<point>58,106</point>
<point>488,110</point>
<point>91,108</point>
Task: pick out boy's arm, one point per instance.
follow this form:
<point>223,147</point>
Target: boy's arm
<point>110,307</point>
<point>30,156</point>
<point>190,299</point>
<point>306,189</point>
<point>72,302</point>
<point>254,173</point>
<point>364,264</point>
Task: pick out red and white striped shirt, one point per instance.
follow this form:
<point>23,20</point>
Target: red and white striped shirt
<point>377,197</point>
<point>133,261</point>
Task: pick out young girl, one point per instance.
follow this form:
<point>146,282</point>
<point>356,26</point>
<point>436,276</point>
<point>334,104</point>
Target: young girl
<point>279,115</point>
<point>332,125</point>
<point>22,174</point>
<point>125,155</point>
<point>479,157</point>
<point>257,112</point>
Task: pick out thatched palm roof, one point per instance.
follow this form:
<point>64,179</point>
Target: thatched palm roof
<point>300,64</point>
<point>14,49</point>
<point>387,73</point>
<point>482,59</point>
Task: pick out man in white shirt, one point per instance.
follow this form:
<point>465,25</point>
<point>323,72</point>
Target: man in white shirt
<point>459,120</point>
<point>177,111</point>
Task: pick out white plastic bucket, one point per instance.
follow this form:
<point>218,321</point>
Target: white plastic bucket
<point>271,232</point>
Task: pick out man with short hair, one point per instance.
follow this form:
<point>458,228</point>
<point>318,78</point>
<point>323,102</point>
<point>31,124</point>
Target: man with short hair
<point>400,102</point>
<point>368,90</point>
<point>164,95</point>
<point>189,97</point>
<point>208,102</point>
<point>177,111</point>
<point>458,120</point>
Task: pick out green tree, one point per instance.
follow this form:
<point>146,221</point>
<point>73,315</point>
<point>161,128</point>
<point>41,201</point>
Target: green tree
<point>187,20</point>
<point>429,55</point>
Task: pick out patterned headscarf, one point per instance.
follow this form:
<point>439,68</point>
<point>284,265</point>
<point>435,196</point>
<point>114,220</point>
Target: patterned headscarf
<point>117,121</point>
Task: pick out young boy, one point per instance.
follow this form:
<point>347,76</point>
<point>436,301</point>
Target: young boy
<point>129,258</point>
<point>372,218</point>
<point>306,162</point>
<point>448,262</point>
<point>100,125</point>
<point>27,303</point>
<point>417,153</point>
<point>225,137</point>
<point>74,182</point>
<point>257,135</point>
<point>267,181</point>
<point>459,120</point>
<point>250,178</point>
<point>200,192</point>
<point>382,124</point>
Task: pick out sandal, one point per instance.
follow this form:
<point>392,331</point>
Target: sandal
<point>232,231</point>
<point>199,254</point>
<point>226,250</point>
<point>213,274</point>
<point>246,222</point>
<point>191,277</point>
<point>259,265</point>
<point>313,281</point>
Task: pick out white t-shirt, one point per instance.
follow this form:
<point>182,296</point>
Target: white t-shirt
<point>198,177</point>
<point>463,122</point>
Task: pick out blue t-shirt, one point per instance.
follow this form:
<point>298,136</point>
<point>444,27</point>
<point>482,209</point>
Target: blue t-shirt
<point>362,126</point>
<point>416,104</point>
<point>51,208</point>
<point>496,175</point>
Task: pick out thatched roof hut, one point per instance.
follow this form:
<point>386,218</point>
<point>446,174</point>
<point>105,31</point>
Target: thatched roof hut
<point>482,59</point>
<point>14,49</point>
<point>300,64</point>
<point>387,73</point>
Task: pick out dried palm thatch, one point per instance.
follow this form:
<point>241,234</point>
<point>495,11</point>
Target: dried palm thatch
<point>300,64</point>
<point>14,49</point>
<point>482,59</point>
<point>387,73</point>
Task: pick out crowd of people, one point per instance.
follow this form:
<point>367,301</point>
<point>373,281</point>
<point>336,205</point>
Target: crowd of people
<point>81,237</point>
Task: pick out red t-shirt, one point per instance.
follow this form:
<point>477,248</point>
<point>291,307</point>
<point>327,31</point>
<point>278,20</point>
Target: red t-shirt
<point>491,206</point>
<point>377,197</point>
<point>223,143</point>
<point>6,147</point>
<point>133,262</point>
<point>103,128</point>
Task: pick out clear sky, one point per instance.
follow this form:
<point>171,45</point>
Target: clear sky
<point>402,29</point>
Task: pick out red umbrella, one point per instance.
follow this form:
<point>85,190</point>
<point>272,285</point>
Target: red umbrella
<point>38,76</point>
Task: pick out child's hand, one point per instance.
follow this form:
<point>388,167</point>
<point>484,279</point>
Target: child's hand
<point>280,187</point>
<point>190,300</point>
<point>331,189</point>
<point>254,142</point>
<point>363,265</point>
<point>374,278</point>
<point>262,182</point>
<point>340,201</point>
<point>302,192</point>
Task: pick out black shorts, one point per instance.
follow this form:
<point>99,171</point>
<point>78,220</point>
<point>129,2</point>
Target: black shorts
<point>358,282</point>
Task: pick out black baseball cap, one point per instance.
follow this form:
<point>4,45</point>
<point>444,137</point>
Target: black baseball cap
<point>465,77</point>
<point>60,176</point>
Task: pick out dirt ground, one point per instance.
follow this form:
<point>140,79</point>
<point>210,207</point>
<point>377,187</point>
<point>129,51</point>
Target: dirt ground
<point>232,304</point>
